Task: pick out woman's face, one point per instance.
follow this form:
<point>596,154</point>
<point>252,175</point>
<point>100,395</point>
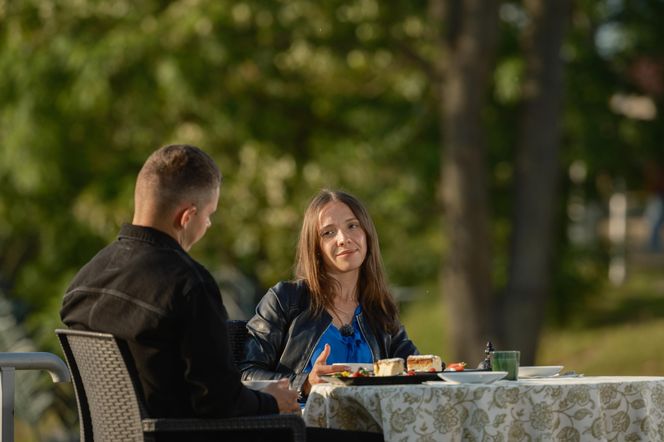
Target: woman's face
<point>343,242</point>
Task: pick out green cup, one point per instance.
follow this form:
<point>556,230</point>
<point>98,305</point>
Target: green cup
<point>506,361</point>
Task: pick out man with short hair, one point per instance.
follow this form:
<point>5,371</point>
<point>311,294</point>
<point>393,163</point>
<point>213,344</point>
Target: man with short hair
<point>145,289</point>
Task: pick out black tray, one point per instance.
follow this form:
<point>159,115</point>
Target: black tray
<point>416,378</point>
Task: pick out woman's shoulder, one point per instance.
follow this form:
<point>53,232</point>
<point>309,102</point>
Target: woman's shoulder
<point>290,292</point>
<point>289,298</point>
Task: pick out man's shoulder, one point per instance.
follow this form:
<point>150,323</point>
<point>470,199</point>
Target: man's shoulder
<point>169,263</point>
<point>137,267</point>
<point>198,276</point>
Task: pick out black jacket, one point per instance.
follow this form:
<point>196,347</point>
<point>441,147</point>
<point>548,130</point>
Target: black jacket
<point>146,290</point>
<point>283,335</point>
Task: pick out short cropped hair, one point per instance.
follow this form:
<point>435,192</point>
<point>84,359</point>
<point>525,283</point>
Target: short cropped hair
<point>174,174</point>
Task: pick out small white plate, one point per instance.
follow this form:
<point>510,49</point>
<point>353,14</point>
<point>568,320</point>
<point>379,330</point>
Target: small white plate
<point>259,384</point>
<point>471,377</point>
<point>355,366</point>
<point>541,371</point>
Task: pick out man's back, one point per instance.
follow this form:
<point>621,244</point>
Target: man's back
<point>146,290</point>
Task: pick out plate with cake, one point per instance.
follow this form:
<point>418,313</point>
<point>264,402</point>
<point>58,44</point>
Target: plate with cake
<point>393,371</point>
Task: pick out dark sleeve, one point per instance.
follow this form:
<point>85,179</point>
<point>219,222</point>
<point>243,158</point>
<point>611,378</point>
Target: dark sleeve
<point>212,379</point>
<point>400,344</point>
<point>267,331</point>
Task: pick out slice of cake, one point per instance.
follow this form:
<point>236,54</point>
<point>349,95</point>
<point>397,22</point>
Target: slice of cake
<point>424,363</point>
<point>389,367</point>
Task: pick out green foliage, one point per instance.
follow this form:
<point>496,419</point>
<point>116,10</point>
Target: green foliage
<point>288,96</point>
<point>33,392</point>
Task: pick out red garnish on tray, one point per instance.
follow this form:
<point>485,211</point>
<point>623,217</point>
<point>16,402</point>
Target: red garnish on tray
<point>360,373</point>
<point>457,366</point>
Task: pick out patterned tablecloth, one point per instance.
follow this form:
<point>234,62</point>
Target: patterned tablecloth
<point>562,409</point>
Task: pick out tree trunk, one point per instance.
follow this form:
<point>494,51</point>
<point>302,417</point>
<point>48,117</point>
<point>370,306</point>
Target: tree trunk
<point>468,52</point>
<point>536,178</point>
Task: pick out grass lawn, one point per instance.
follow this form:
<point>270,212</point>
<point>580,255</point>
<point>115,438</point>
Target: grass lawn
<point>621,332</point>
<point>624,349</point>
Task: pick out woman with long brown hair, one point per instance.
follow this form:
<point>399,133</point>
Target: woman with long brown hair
<point>338,310</point>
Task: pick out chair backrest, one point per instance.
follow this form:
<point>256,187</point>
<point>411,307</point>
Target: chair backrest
<point>84,419</point>
<point>237,336</point>
<point>109,408</point>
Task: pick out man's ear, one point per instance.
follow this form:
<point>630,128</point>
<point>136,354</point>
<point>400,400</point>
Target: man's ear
<point>184,216</point>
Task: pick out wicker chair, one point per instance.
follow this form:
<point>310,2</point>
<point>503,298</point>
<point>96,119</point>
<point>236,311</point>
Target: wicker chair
<point>110,409</point>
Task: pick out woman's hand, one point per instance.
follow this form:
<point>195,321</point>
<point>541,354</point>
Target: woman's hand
<point>321,368</point>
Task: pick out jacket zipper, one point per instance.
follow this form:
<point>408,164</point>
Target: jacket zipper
<point>373,357</point>
<point>300,392</point>
<point>306,361</point>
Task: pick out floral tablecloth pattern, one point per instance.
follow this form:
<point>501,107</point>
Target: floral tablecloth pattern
<point>562,409</point>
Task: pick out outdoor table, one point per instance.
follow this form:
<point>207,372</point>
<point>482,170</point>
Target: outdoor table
<point>569,409</point>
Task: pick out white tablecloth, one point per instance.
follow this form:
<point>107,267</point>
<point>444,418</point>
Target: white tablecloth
<point>562,409</point>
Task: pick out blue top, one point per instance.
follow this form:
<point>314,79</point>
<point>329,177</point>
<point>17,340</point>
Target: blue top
<point>343,349</point>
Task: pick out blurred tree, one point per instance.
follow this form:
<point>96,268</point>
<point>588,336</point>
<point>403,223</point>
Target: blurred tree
<point>538,173</point>
<point>467,55</point>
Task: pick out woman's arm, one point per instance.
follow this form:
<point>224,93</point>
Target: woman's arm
<point>267,331</point>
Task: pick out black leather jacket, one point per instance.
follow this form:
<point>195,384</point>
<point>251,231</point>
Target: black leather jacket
<point>283,335</point>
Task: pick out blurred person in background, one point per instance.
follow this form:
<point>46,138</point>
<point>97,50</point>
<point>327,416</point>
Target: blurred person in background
<point>654,211</point>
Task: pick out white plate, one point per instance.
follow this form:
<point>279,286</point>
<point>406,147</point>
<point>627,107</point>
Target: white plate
<point>541,371</point>
<point>471,377</point>
<point>356,366</point>
<point>259,384</point>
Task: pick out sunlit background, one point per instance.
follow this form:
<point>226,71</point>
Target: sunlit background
<point>290,96</point>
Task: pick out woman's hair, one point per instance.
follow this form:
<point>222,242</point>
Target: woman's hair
<point>373,292</point>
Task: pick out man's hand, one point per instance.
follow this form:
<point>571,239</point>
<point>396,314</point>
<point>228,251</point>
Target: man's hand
<point>321,368</point>
<point>286,399</point>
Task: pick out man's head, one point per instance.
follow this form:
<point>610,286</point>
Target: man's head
<point>176,191</point>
